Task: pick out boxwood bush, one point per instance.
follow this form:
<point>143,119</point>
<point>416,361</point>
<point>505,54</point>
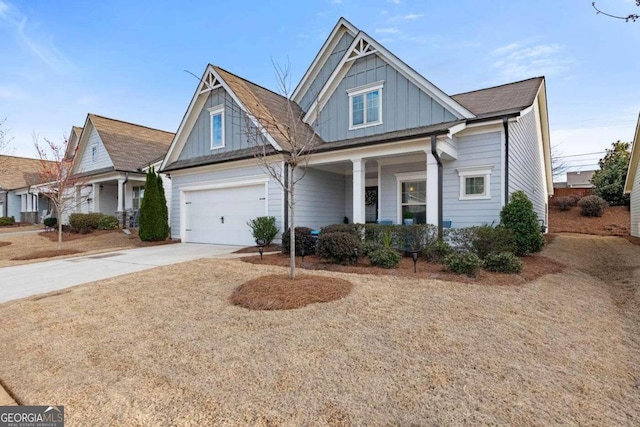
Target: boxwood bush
<point>108,222</point>
<point>385,258</point>
<point>488,239</point>
<point>564,203</point>
<point>518,216</point>
<point>503,262</point>
<point>84,222</point>
<point>437,251</point>
<point>593,206</point>
<point>367,247</point>
<point>463,263</point>
<point>303,240</point>
<point>263,227</point>
<point>7,220</point>
<point>50,222</point>
<point>355,229</point>
<point>339,247</point>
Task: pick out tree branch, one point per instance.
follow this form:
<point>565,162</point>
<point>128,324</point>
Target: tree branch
<point>631,17</point>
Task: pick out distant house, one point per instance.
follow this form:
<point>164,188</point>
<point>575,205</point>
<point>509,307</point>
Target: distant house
<point>18,196</point>
<point>632,184</point>
<point>386,141</point>
<point>580,179</point>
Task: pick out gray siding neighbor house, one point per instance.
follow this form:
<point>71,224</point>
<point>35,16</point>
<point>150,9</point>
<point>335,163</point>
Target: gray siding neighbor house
<point>385,141</point>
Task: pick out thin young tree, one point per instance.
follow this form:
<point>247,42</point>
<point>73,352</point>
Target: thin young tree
<point>297,140</point>
<point>55,180</point>
<point>558,165</point>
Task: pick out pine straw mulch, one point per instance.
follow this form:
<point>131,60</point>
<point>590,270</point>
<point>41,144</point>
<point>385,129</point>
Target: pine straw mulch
<point>68,237</point>
<point>534,267</point>
<point>614,222</point>
<point>165,346</point>
<point>254,249</point>
<point>4,244</point>
<point>279,292</point>
<point>46,254</point>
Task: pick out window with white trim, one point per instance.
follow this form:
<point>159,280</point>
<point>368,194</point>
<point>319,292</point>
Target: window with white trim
<point>138,194</point>
<point>475,183</point>
<point>412,189</point>
<point>217,126</point>
<point>365,105</point>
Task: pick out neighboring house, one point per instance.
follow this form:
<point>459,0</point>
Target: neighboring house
<point>580,179</point>
<point>632,184</point>
<point>112,159</point>
<point>387,141</point>
<point>19,197</point>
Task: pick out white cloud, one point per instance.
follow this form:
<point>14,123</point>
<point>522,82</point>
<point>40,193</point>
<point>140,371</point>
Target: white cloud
<point>390,30</point>
<point>524,59</point>
<point>413,16</point>
<point>395,1</point>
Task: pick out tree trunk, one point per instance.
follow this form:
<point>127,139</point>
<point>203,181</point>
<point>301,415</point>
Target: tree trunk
<point>292,227</point>
<point>59,232</point>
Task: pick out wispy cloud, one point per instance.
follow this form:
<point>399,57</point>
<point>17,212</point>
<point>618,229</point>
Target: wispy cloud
<point>395,1</point>
<point>412,16</point>
<point>39,45</point>
<point>336,1</point>
<point>522,59</point>
<point>390,30</point>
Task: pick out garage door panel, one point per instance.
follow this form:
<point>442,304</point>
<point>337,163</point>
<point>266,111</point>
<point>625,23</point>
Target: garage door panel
<point>220,215</point>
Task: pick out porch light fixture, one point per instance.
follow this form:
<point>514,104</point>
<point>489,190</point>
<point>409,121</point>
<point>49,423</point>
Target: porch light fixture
<point>261,243</point>
<point>414,257</point>
<point>302,253</point>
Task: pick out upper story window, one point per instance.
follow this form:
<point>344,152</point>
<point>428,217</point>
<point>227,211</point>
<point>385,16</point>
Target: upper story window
<point>217,127</point>
<point>365,105</point>
<point>475,183</point>
<point>94,153</point>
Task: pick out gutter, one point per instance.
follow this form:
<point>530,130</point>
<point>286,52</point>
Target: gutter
<point>124,192</point>
<point>440,183</point>
<point>505,124</point>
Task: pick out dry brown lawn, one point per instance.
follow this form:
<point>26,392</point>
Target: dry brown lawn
<point>28,246</point>
<point>614,222</point>
<point>165,347</point>
<point>19,227</point>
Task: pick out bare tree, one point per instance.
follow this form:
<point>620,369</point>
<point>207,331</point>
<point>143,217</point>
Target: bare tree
<point>5,140</point>
<point>633,17</point>
<point>558,165</point>
<point>55,179</point>
<point>297,141</point>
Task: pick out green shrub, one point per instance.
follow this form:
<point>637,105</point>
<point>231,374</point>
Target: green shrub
<point>564,203</point>
<point>85,222</point>
<point>518,216</point>
<point>592,206</point>
<point>303,240</point>
<point>488,239</point>
<point>153,221</point>
<point>50,222</point>
<point>503,262</point>
<point>263,227</point>
<point>7,220</point>
<point>385,258</point>
<point>463,263</point>
<point>461,238</point>
<point>355,229</point>
<point>108,222</point>
<point>403,237</point>
<point>437,251</point>
<point>339,247</point>
<point>367,247</point>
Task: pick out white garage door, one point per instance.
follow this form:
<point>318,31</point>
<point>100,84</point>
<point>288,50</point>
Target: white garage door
<point>220,216</point>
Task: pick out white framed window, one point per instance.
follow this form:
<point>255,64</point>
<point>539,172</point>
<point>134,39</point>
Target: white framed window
<point>138,194</point>
<point>365,105</point>
<point>412,196</point>
<point>475,183</point>
<point>217,127</point>
<point>94,153</point>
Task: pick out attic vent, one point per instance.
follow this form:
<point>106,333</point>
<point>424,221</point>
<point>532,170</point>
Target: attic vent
<point>362,48</point>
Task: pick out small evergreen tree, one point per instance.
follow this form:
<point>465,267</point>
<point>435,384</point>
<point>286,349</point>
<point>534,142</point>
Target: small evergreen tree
<point>518,216</point>
<point>153,208</point>
<point>165,209</point>
<point>608,181</point>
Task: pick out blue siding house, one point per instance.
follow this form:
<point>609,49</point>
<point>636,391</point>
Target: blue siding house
<point>383,141</point>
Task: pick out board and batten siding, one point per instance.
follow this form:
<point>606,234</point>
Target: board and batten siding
<point>474,151</point>
<point>179,181</point>
<point>102,159</point>
<point>326,70</point>
<point>198,142</point>
<point>404,105</point>
<point>320,199</point>
<point>388,197</point>
<point>525,163</point>
<point>635,205</point>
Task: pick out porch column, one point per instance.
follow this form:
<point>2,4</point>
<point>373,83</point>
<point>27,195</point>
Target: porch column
<point>29,203</point>
<point>96,197</point>
<point>358,191</point>
<point>121,195</point>
<point>432,189</point>
<point>78,199</point>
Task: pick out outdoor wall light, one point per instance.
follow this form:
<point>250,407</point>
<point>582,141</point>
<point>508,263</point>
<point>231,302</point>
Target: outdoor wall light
<point>261,243</point>
<point>414,257</point>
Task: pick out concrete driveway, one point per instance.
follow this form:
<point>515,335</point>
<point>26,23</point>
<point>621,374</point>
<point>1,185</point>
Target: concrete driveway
<point>31,279</point>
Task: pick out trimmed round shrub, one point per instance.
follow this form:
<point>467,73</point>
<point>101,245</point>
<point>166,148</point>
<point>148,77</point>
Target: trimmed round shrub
<point>85,222</point>
<point>50,222</point>
<point>367,247</point>
<point>341,228</point>
<point>437,251</point>
<point>108,222</point>
<point>564,203</point>
<point>339,247</point>
<point>592,206</point>
<point>263,227</point>
<point>7,220</point>
<point>303,240</point>
<point>518,216</point>
<point>385,258</point>
<point>463,263</point>
<point>503,262</point>
<point>488,239</point>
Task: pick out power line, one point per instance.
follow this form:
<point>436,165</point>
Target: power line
<point>580,155</point>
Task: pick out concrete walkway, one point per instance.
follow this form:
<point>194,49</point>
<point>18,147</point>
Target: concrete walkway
<point>32,279</point>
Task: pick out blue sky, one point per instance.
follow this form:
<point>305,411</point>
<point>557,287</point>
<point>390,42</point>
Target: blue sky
<point>126,59</point>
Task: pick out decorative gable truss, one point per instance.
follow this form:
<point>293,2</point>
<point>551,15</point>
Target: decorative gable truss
<point>360,50</point>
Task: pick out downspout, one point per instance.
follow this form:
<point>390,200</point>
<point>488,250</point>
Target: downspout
<point>505,124</point>
<point>440,179</point>
<point>286,196</point>
<point>124,197</point>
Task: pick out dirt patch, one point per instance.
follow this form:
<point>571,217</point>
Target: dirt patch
<point>614,222</point>
<point>279,292</point>
<point>633,240</point>
<point>4,244</point>
<point>46,254</point>
<point>254,250</point>
<point>534,267</point>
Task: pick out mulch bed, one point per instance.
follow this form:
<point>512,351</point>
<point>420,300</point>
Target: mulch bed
<point>67,237</point>
<point>279,292</point>
<point>4,244</point>
<point>142,244</point>
<point>254,249</point>
<point>534,267</point>
<point>46,254</point>
<point>614,222</point>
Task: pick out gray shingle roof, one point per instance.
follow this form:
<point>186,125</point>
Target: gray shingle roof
<point>19,172</point>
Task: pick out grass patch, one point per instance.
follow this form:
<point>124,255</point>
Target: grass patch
<point>279,292</point>
<point>46,254</point>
